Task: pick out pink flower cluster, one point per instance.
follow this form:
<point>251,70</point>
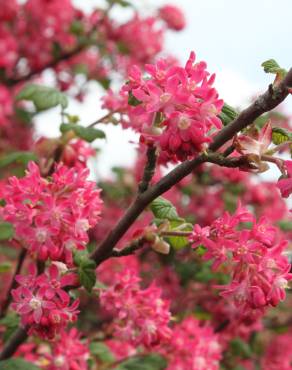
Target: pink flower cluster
<point>52,217</point>
<point>193,347</point>
<point>76,153</point>
<point>42,302</point>
<point>49,22</point>
<point>140,37</point>
<point>68,352</point>
<point>278,353</point>
<point>176,108</point>
<point>6,106</point>
<point>8,48</point>
<point>285,184</point>
<point>141,316</point>
<point>253,257</point>
<point>173,17</point>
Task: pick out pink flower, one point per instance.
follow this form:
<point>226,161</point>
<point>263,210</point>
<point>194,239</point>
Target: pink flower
<point>8,10</point>
<point>259,271</point>
<point>141,316</point>
<point>69,352</point>
<point>193,347</point>
<point>285,185</point>
<point>6,105</point>
<point>52,218</point>
<point>257,144</point>
<point>43,304</point>
<point>173,17</point>
<point>8,48</point>
<point>176,108</point>
<point>278,353</point>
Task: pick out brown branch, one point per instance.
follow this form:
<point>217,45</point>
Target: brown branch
<point>130,249</point>
<point>14,342</point>
<point>264,103</point>
<point>13,283</point>
<point>103,119</point>
<point>149,169</point>
<point>61,58</point>
<point>20,335</point>
<point>53,63</point>
<point>175,233</point>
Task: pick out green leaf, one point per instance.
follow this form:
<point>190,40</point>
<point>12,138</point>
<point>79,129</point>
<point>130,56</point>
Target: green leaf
<point>228,114</point>
<point>285,225</point>
<point>77,28</point>
<point>164,209</point>
<point>104,82</point>
<point>11,322</point>
<point>132,100</point>
<point>24,115</point>
<point>240,348</point>
<point>87,277</point>
<point>101,351</point>
<point>271,66</point>
<point>5,267</point>
<point>43,97</point>
<point>123,3</point>
<point>6,231</point>
<point>86,270</point>
<point>151,361</point>
<point>88,134</point>
<point>18,157</point>
<point>17,364</point>
<point>179,242</point>
<point>280,135</point>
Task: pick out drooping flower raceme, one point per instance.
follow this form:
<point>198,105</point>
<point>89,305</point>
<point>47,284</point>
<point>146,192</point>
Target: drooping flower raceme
<point>254,257</point>
<point>51,217</point>
<point>192,347</point>
<point>42,302</point>
<point>141,316</point>
<point>285,184</point>
<point>68,352</point>
<point>173,17</point>
<point>174,107</point>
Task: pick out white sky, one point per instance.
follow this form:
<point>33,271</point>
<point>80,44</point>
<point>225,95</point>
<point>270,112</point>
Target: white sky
<point>234,37</point>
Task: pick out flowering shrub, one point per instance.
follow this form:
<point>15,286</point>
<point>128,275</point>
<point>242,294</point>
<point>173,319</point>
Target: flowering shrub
<point>179,262</point>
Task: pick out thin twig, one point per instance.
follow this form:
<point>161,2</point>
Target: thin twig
<point>149,169</point>
<point>13,283</point>
<point>130,249</point>
<point>63,57</point>
<point>102,119</point>
<point>264,103</point>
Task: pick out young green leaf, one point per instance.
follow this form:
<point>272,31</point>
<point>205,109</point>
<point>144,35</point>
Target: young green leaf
<point>6,231</point>
<point>11,323</point>
<point>179,242</point>
<point>280,135</point>
<point>271,66</point>
<point>17,364</point>
<point>164,209</point>
<point>151,361</point>
<point>88,134</point>
<point>5,267</point>
<point>102,351</point>
<point>43,97</point>
<point>17,157</point>
<point>86,270</point>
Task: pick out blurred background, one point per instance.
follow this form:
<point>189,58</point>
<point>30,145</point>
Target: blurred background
<point>233,37</point>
